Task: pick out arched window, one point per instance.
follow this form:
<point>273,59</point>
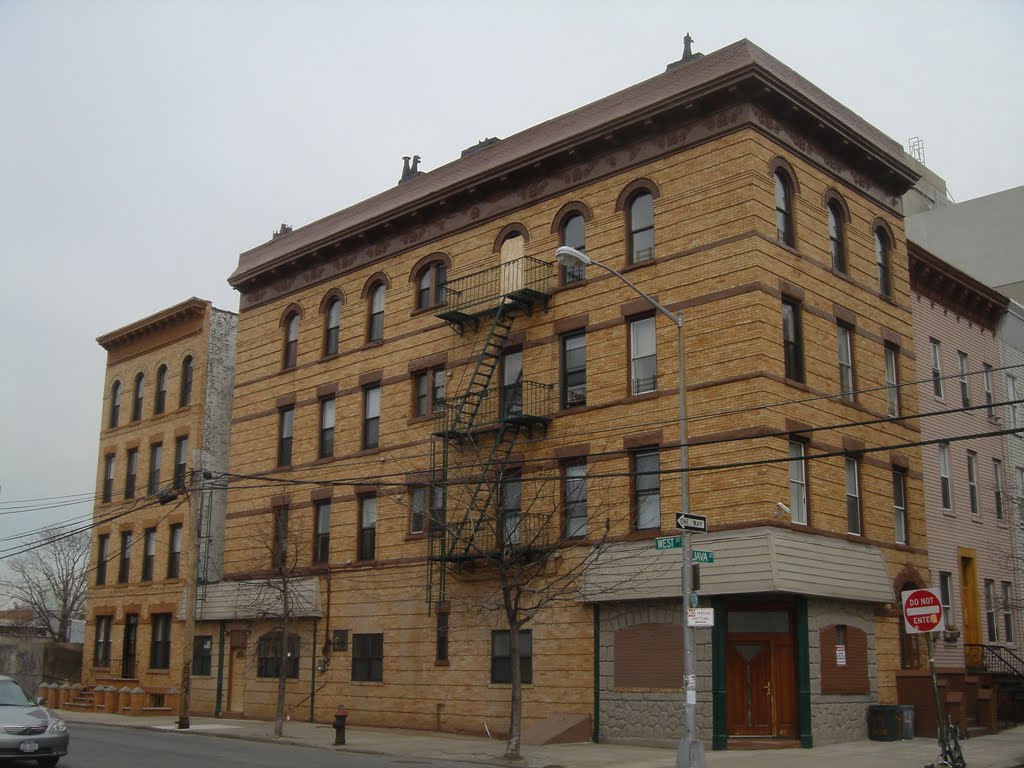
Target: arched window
<point>137,395</point>
<point>186,382</point>
<point>269,655</point>
<point>572,235</point>
<point>430,286</point>
<point>291,340</point>
<point>375,326</point>
<point>641,227</point>
<point>160,400</point>
<point>332,327</point>
<point>784,208</point>
<point>115,404</point>
<point>836,239</point>
<point>882,247</point>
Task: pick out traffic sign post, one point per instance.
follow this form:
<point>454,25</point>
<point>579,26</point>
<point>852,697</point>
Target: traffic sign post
<point>922,610</point>
<point>688,522</point>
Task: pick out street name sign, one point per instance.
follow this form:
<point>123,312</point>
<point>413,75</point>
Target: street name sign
<point>668,542</point>
<point>922,610</point>
<point>702,556</point>
<point>691,522</point>
<point>700,617</point>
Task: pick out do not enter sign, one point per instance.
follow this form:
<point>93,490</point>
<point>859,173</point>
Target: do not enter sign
<point>922,610</point>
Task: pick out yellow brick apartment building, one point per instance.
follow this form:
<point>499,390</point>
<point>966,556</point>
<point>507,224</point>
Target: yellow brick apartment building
<point>418,383</point>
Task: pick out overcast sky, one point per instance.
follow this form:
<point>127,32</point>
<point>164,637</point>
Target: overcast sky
<point>144,144</point>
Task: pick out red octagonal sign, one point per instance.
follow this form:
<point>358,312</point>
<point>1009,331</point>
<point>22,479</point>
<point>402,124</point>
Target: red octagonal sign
<point>922,610</point>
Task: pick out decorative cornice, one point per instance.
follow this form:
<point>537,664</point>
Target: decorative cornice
<point>944,284</point>
<point>179,313</point>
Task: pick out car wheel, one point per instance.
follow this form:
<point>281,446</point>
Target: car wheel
<point>48,762</point>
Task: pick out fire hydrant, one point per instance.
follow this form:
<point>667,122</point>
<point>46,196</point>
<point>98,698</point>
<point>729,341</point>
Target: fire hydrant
<point>339,724</point>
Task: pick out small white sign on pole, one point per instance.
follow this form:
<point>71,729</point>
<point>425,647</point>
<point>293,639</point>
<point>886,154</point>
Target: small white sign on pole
<point>700,617</point>
<point>840,655</point>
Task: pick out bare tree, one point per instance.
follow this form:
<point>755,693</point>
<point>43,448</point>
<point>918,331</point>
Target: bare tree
<point>515,533</point>
<point>50,578</point>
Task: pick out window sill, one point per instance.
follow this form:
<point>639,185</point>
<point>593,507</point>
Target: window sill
<point>442,663</point>
<point>372,683</point>
<point>801,385</point>
<point>417,536</point>
<point>324,460</point>
<point>371,345</point>
<point>368,451</point>
<point>413,420</point>
<point>430,310</point>
<point>640,264</point>
<point>949,513</point>
<point>651,395</point>
<point>332,356</point>
<point>569,286</point>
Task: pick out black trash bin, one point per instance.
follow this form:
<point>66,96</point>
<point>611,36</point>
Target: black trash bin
<point>890,722</point>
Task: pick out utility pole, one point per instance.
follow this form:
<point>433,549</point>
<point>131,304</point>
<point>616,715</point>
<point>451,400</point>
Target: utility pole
<point>191,547</point>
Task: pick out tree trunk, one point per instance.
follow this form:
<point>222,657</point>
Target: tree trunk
<point>282,660</point>
<point>516,710</point>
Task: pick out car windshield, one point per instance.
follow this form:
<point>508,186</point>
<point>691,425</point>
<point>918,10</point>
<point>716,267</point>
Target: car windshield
<point>13,695</point>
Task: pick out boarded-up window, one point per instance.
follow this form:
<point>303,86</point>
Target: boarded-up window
<point>842,643</point>
<point>649,656</point>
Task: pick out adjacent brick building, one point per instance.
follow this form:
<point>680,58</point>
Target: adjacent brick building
<point>165,420</point>
<point>420,357</point>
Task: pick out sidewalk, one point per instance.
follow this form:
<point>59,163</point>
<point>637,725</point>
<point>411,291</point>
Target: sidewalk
<point>1002,750</point>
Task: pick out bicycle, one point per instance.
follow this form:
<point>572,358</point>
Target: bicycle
<point>951,755</point>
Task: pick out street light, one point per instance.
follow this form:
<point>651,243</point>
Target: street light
<point>691,751</point>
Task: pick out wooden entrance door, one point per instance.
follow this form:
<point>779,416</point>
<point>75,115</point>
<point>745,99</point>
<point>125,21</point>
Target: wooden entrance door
<point>969,607</point>
<point>761,693</point>
<point>128,646</point>
<point>236,681</point>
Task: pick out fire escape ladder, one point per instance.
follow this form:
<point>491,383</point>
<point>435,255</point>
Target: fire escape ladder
<point>486,363</point>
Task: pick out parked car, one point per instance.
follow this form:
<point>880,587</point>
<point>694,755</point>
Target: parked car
<point>28,730</point>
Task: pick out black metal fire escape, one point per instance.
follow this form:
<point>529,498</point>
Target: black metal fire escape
<point>481,424</point>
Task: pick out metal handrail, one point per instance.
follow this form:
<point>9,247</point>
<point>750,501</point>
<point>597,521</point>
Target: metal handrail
<point>486,287</point>
<point>509,402</point>
<point>999,658</point>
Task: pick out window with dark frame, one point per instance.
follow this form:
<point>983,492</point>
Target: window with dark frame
<point>160,397</point>
<point>138,395</point>
<point>367,549</point>
<point>115,404</point>
<point>102,556</point>
<point>899,504</point>
<point>646,489</point>
<point>643,353</point>
<point>180,461</point>
<point>798,482</point>
<point>989,394</point>
<point>992,632</point>
<point>417,508</point>
<point>574,370</point>
<point>322,532</point>
<point>186,382</point>
<point>997,487</point>
<point>510,530</point>
<point>326,445</point>
<point>148,553</point>
<point>965,387</point>
<point>131,474</point>
<point>368,658</point>
<point>428,392</point>
<point>1007,606</point>
<point>946,598</point>
<point>441,635</point>
<point>155,457</point>
<point>268,655</point>
<point>375,324</point>
<point>836,239</point>
<point>574,485</point>
<point>844,339</point>
<point>936,354</point>
<point>430,286</point>
<point>641,227</point>
<point>882,248</point>
<point>108,477</point>
<point>174,552</point>
<point>1011,399</point>
<point>279,546</point>
<point>892,380</point>
<point>202,655</point>
<point>291,341</point>
<point>793,340</point>
<point>160,641</point>
<point>854,523</point>
<point>124,563</point>
<point>501,656</point>
<point>972,483</point>
<point>101,651</point>
<point>783,208</point>
<point>944,486</point>
<point>285,431</point>
<point>371,417</point>
<point>332,327</point>
<point>573,235</point>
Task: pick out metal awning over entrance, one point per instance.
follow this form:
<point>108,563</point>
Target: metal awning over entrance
<point>255,599</point>
<point>751,560</point>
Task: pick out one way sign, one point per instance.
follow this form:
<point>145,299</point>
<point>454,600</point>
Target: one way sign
<point>691,522</point>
